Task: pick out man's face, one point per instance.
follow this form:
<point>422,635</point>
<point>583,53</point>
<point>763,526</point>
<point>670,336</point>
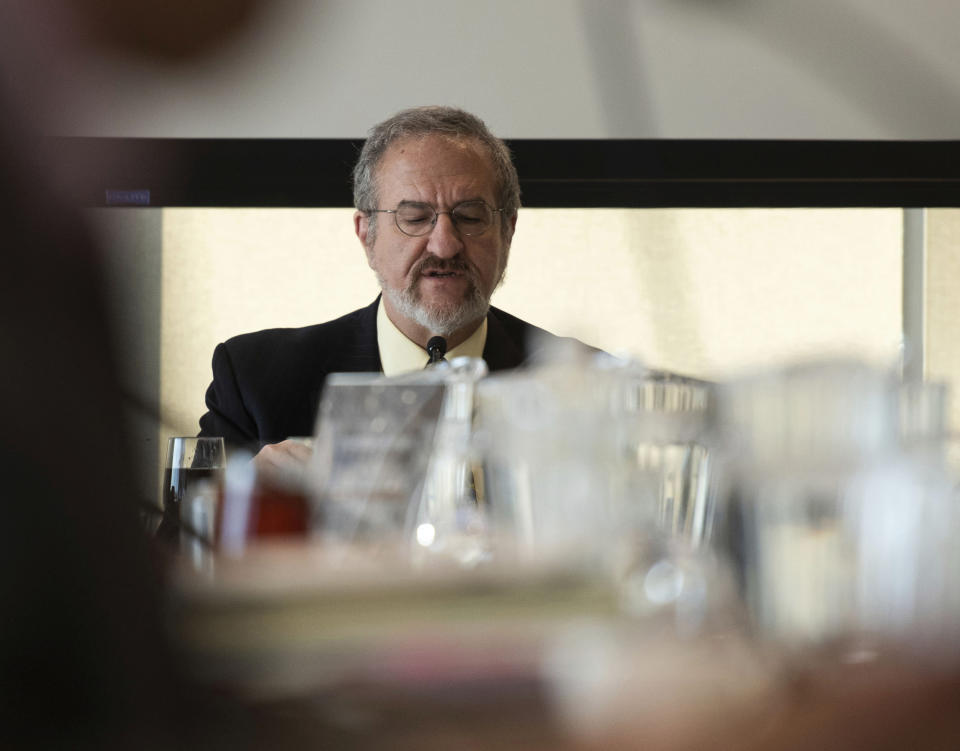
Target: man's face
<point>442,281</point>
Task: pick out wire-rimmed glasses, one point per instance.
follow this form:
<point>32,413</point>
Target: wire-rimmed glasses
<point>415,219</point>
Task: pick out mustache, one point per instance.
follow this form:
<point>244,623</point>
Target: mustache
<point>432,263</point>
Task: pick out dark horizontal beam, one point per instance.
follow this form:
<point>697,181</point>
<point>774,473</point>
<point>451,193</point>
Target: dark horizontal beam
<point>553,173</point>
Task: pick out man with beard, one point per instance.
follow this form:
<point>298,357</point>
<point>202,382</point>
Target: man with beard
<point>437,197</point>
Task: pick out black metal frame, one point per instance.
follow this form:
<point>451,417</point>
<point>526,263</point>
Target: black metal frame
<point>554,173</point>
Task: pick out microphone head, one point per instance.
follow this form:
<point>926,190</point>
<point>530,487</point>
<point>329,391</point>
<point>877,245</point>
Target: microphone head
<point>436,347</point>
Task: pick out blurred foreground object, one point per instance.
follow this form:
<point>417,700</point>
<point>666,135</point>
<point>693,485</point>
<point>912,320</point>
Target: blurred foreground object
<point>375,436</point>
<point>83,657</point>
<point>172,30</point>
<point>585,458</point>
<point>600,612</point>
<point>849,513</point>
<point>85,660</point>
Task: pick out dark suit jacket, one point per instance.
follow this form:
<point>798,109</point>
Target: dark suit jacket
<point>266,385</point>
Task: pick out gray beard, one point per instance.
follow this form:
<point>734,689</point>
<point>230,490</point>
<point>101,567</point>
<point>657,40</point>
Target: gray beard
<point>439,320</point>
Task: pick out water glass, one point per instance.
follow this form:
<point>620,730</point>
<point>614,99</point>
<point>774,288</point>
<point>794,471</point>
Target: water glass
<point>191,463</point>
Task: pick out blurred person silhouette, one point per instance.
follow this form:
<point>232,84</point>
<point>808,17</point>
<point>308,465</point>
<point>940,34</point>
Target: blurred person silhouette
<point>84,660</point>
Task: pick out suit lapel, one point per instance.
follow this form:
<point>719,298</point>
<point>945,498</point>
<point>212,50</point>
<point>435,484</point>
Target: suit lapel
<point>360,352</point>
<point>354,349</point>
<point>501,351</point>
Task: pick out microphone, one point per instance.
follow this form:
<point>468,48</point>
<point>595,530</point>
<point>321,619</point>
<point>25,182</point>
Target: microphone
<point>436,348</point>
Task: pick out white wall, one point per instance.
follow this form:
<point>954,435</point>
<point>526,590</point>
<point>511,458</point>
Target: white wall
<point>556,68</point>
<point>705,292</point>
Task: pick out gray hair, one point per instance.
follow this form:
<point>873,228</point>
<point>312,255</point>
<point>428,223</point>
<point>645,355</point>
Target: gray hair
<point>422,121</point>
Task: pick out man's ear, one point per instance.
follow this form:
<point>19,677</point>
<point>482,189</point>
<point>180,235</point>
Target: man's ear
<point>513,226</point>
<point>361,225</point>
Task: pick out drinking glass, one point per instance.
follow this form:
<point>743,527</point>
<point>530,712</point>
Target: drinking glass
<point>847,519</point>
<point>191,462</point>
<point>281,506</point>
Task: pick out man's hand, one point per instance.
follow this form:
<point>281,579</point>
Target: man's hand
<point>284,458</point>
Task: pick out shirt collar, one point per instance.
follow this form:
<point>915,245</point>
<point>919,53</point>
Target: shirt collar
<point>400,355</point>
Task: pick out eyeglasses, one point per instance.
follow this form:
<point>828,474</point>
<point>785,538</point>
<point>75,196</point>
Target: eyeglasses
<point>416,219</point>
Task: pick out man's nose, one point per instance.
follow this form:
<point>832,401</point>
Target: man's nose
<point>445,240</point>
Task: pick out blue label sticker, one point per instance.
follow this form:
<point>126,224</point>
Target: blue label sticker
<point>128,197</point>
